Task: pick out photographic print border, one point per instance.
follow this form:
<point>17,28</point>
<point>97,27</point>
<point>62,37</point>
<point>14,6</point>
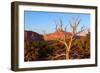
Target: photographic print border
<point>15,34</point>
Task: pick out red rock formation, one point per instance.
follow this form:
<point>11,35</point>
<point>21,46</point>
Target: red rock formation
<point>56,35</point>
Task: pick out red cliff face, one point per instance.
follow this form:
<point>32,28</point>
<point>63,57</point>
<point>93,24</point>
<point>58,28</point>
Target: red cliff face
<point>56,35</point>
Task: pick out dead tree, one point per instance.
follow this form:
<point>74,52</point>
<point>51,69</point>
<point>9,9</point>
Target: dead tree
<point>59,25</point>
<point>74,23</point>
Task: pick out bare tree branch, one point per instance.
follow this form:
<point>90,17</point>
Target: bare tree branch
<point>56,24</point>
<point>78,22</point>
<point>81,30</point>
<point>65,29</point>
<point>70,24</point>
<point>62,42</point>
<point>58,55</point>
<point>70,43</point>
<point>64,37</point>
<point>61,23</point>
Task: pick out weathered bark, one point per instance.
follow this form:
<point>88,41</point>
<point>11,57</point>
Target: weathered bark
<point>67,55</point>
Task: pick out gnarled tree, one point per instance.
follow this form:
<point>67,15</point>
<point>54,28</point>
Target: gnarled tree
<point>74,23</point>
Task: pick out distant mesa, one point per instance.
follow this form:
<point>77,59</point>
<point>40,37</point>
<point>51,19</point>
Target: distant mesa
<point>58,34</point>
<point>32,36</point>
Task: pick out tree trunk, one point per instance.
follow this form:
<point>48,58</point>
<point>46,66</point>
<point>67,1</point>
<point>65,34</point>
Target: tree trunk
<point>67,55</point>
<point>68,48</point>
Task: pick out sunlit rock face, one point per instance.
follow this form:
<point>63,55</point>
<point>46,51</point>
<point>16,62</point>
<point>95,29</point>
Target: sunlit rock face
<point>57,35</point>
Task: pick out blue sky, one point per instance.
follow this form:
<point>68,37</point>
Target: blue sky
<point>45,21</point>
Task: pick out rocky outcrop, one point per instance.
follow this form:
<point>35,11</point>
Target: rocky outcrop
<point>57,35</point>
<point>32,36</point>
